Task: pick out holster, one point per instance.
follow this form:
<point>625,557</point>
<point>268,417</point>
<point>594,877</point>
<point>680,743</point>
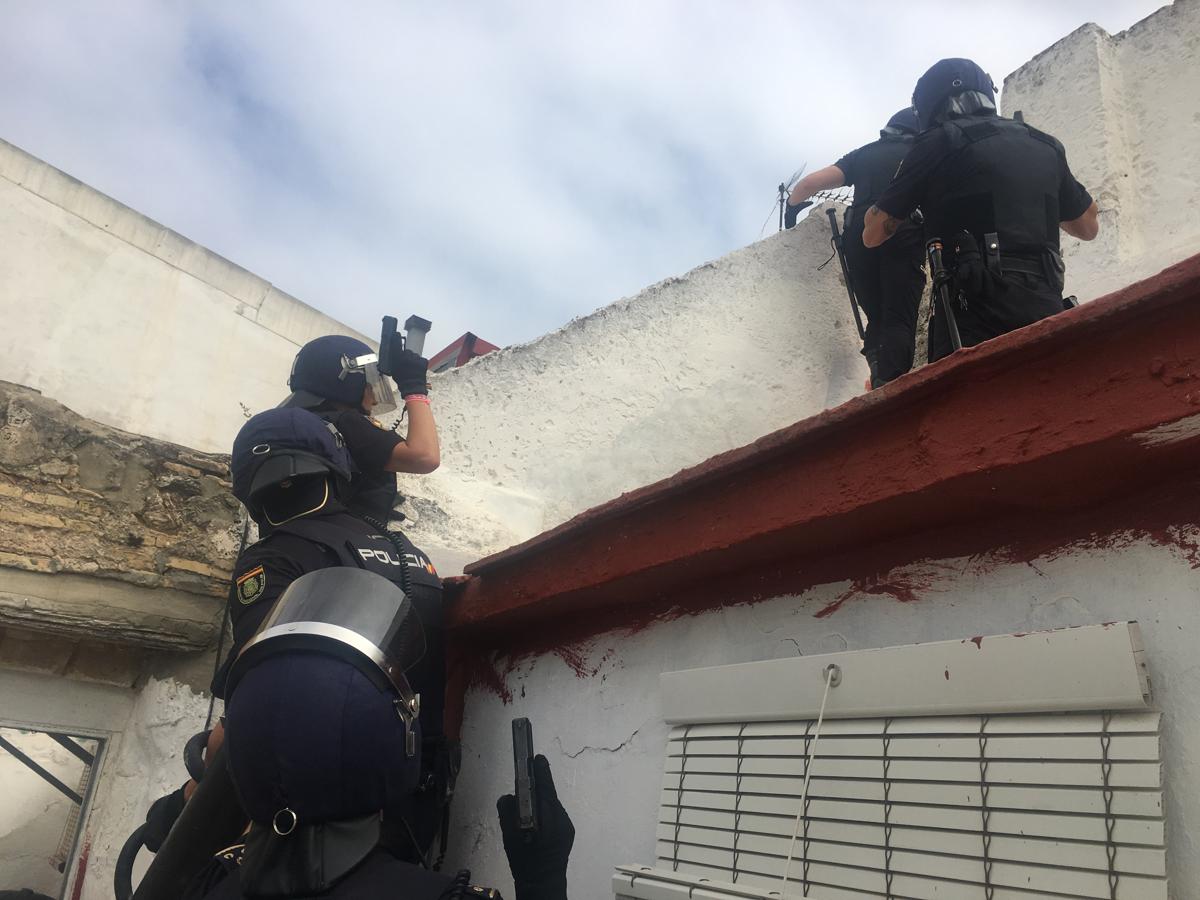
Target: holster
<point>971,276</point>
<point>1056,269</point>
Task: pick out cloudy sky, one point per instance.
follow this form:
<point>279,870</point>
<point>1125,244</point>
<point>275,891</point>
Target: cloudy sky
<point>497,167</point>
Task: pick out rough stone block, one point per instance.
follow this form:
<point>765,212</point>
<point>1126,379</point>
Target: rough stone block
<point>105,664</point>
<point>30,651</point>
<point>80,497</point>
<point>32,519</point>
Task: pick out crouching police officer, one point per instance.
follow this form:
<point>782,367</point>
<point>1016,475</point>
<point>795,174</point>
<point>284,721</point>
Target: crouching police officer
<point>888,282</point>
<point>292,472</point>
<point>338,378</point>
<point>995,192</point>
<point>323,746</point>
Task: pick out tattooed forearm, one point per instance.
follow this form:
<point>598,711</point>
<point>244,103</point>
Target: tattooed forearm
<point>878,226</point>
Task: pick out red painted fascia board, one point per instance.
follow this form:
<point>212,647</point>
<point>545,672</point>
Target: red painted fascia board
<point>454,348</point>
<point>482,347</point>
<point>465,352</point>
<point>1039,419</point>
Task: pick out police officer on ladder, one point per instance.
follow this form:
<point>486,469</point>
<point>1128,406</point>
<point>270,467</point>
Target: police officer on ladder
<point>888,282</point>
<point>338,378</point>
<point>323,748</point>
<point>292,472</point>
<point>996,192</point>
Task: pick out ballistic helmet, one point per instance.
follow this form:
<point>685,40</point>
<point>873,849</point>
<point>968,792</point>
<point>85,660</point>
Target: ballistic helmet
<point>953,87</point>
<point>280,445</point>
<point>903,122</point>
<point>337,368</point>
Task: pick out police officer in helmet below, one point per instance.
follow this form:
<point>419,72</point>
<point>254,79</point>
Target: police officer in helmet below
<point>888,282</point>
<point>338,378</point>
<point>996,192</point>
<point>292,472</point>
<point>323,747</point>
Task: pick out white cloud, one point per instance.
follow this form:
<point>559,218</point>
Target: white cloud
<point>497,167</point>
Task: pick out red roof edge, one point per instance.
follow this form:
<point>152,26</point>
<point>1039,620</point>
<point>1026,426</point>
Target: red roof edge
<point>1048,418</point>
<point>463,348</point>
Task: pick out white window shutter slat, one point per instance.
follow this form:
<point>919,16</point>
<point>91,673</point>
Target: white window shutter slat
<point>1033,804</point>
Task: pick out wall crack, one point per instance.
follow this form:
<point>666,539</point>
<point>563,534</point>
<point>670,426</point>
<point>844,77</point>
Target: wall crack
<point>586,748</point>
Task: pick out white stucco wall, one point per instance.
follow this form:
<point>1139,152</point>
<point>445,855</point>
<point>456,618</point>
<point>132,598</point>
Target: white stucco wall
<point>131,324</point>
<point>33,813</point>
<point>1127,109</point>
<point>688,368</point>
<point>605,738</point>
<point>145,762</point>
<point>144,730</point>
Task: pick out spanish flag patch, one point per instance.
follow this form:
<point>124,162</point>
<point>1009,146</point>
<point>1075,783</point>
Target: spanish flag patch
<point>251,585</point>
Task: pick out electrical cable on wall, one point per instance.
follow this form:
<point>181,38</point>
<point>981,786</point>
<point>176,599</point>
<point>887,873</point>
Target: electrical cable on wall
<point>833,673</point>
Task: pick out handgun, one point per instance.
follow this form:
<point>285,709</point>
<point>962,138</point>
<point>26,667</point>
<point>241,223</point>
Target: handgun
<point>523,769</point>
<point>387,340</point>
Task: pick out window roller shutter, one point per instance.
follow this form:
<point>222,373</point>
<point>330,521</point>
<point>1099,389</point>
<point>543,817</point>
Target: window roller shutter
<point>995,807</point>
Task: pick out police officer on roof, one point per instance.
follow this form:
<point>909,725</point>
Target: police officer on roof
<point>292,472</point>
<point>996,192</point>
<point>322,741</point>
<point>888,282</point>
<point>338,378</point>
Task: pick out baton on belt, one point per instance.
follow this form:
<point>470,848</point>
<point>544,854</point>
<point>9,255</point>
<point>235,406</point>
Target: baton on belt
<point>841,254</point>
<point>941,285</point>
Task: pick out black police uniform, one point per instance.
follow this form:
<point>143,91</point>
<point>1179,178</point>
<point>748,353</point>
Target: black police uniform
<point>984,180</point>
<point>334,537</point>
<point>373,489</point>
<point>889,280</point>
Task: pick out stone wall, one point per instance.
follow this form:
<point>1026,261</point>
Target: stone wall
<point>106,535</point>
<point>1126,108</point>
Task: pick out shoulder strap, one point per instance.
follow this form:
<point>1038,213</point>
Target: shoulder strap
<point>967,131</point>
<point>955,138</point>
<point>1045,138</point>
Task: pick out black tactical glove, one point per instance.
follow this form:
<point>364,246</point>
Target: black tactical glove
<point>970,274</point>
<point>411,373</point>
<point>789,214</point>
<point>538,859</point>
<point>160,817</point>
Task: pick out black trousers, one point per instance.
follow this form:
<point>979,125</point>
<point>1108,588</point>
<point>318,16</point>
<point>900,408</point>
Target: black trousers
<point>888,282</point>
<point>1021,299</point>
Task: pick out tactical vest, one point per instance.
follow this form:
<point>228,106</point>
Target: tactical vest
<point>1000,177</point>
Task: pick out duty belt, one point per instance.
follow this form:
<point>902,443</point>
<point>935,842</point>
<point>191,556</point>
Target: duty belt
<point>999,262</point>
<point>1022,264</point>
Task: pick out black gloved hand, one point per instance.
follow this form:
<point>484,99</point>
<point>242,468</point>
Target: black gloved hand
<point>789,214</point>
<point>970,274</point>
<point>160,817</point>
<point>538,859</point>
<point>411,373</point>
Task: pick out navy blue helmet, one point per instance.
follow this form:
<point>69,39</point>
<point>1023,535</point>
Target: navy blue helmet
<point>946,80</point>
<point>311,736</point>
<point>282,444</point>
<point>903,122</point>
<point>323,370</point>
